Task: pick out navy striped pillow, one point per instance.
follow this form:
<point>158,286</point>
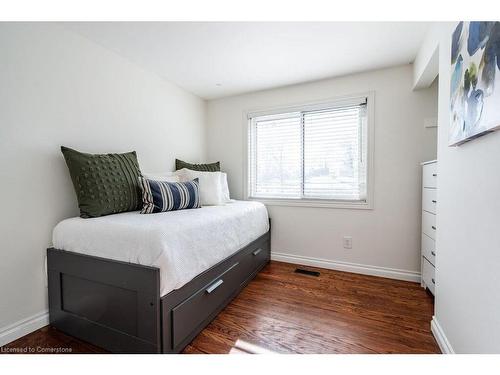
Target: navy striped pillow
<point>162,196</point>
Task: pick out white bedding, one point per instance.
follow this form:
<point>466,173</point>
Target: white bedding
<point>182,244</point>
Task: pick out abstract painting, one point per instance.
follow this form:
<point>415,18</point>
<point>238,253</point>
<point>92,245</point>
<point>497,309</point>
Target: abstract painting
<point>475,81</point>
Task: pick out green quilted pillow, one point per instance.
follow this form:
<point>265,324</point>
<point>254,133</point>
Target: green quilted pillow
<point>212,167</point>
<point>104,183</point>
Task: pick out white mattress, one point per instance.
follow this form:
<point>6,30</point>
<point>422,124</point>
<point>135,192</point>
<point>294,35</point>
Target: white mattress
<point>182,244</point>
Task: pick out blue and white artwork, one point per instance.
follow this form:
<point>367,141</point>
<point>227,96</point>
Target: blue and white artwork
<point>475,81</point>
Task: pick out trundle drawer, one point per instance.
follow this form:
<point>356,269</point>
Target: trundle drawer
<point>254,259</point>
<point>197,308</point>
<point>428,274</point>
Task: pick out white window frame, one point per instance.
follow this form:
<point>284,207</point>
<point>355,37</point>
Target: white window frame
<point>329,103</point>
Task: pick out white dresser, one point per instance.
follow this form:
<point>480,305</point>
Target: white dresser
<point>429,203</point>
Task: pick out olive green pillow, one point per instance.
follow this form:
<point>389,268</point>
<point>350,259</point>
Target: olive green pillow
<point>104,183</point>
<point>212,167</point>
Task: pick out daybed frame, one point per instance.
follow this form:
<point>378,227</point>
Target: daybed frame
<point>117,305</point>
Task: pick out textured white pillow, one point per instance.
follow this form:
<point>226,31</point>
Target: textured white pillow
<point>210,185</point>
<point>224,187</point>
<point>168,177</point>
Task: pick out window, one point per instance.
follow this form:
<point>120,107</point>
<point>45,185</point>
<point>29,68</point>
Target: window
<point>314,153</point>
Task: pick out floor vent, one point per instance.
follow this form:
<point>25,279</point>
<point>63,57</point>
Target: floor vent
<point>307,272</point>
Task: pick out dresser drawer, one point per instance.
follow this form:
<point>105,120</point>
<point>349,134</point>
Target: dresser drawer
<point>197,308</point>
<point>429,224</point>
<point>429,201</point>
<point>429,248</point>
<point>429,177</point>
<point>428,275</point>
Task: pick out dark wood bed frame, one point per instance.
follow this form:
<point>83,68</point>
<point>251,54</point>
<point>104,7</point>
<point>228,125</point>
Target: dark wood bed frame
<point>117,305</point>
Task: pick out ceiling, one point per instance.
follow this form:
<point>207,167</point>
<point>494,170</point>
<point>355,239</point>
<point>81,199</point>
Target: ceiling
<point>216,59</point>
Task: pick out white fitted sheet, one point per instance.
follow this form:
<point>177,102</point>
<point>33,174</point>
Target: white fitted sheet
<point>182,244</point>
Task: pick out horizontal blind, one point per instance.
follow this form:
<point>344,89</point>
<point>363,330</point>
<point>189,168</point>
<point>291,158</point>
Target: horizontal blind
<point>315,154</point>
<point>333,160</point>
<point>277,156</point>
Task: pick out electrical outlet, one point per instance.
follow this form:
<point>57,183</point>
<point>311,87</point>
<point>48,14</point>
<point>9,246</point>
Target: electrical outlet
<point>347,242</point>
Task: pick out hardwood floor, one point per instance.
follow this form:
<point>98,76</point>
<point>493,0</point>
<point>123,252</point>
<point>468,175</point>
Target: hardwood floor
<point>285,312</point>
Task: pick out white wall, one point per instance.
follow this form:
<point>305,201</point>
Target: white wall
<point>57,88</point>
<point>468,238</point>
<point>389,235</point>
<point>426,64</point>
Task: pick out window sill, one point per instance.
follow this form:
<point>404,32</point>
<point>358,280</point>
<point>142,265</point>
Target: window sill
<point>314,203</point>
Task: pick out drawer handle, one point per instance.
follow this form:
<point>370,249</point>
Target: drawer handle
<point>433,201</point>
<point>434,175</point>
<point>433,253</point>
<point>433,281</point>
<point>256,252</point>
<point>214,286</point>
<point>433,227</point>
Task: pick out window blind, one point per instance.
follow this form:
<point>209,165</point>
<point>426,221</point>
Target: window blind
<point>309,154</point>
<point>277,156</point>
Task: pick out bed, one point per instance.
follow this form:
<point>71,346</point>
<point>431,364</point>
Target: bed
<point>133,283</point>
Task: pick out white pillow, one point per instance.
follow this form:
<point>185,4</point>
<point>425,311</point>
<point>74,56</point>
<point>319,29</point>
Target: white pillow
<point>224,187</point>
<point>210,185</point>
<point>168,176</point>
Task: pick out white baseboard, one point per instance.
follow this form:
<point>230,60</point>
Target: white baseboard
<point>440,337</point>
<point>391,273</point>
<point>23,327</point>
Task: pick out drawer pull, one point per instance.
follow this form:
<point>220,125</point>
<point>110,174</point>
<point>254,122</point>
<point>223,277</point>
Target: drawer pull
<point>433,201</point>
<point>433,281</point>
<point>256,252</point>
<point>433,253</point>
<point>214,286</point>
<point>434,175</point>
<point>433,227</point>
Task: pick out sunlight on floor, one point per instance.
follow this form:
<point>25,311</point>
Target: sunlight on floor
<point>243,347</point>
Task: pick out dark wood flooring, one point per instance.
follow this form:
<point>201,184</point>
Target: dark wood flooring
<point>285,312</point>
